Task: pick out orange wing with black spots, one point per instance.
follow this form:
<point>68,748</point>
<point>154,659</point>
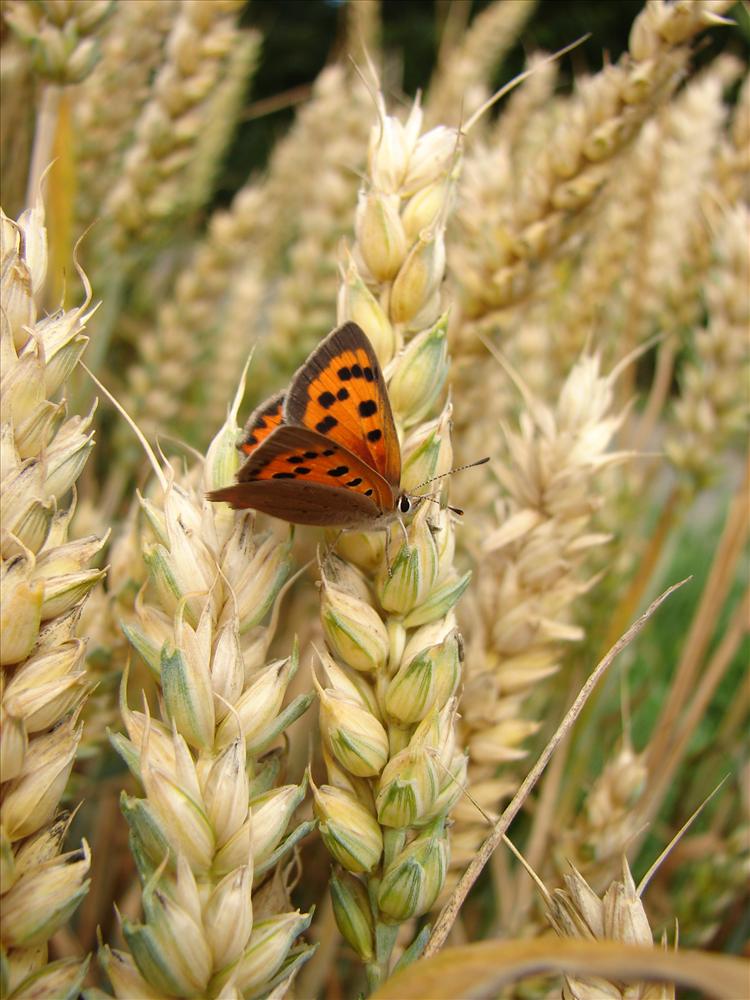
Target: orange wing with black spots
<point>261,423</point>
<point>301,476</point>
<point>340,392</point>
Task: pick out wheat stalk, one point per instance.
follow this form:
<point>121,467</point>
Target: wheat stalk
<point>387,714</point>
<point>46,578</point>
<point>107,103</point>
<point>170,163</point>
<point>604,116</point>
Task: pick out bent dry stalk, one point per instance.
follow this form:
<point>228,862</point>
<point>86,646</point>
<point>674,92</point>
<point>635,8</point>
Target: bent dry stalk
<point>212,826</point>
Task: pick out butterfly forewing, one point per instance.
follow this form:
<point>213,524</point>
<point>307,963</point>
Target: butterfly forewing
<point>340,393</point>
<point>327,452</point>
<point>261,423</point>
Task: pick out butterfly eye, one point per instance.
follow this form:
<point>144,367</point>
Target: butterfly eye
<point>404,504</point>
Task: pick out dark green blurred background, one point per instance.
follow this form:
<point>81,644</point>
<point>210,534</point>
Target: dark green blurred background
<point>301,36</point>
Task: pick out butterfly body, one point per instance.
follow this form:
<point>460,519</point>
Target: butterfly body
<point>326,452</point>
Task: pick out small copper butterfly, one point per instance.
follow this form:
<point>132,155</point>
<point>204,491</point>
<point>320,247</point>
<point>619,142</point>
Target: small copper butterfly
<point>326,452</point>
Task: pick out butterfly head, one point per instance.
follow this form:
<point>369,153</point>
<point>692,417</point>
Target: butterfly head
<point>406,504</point>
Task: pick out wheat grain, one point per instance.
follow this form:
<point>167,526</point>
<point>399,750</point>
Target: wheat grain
<point>46,578</point>
<point>211,824</point>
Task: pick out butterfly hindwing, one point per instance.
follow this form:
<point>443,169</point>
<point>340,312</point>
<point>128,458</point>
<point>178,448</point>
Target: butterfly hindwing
<point>302,503</point>
<point>261,422</point>
<point>340,392</point>
<point>302,476</point>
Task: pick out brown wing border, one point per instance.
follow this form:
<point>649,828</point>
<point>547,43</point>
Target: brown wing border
<point>249,443</point>
<point>302,503</point>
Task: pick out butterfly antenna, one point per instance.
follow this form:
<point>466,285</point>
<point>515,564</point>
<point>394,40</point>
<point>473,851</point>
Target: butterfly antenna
<point>458,468</point>
<point>455,510</point>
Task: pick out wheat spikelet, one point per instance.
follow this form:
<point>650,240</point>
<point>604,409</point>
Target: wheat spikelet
<point>158,383</point>
<point>175,144</point>
<point>46,578</point>
<point>618,915</point>
<point>587,224</point>
<point>530,569</point>
<point>641,270</point>
<point>231,348</point>
<point>199,323</point>
<point>609,818</point>
<point>63,37</point>
<point>713,405</point>
<point>213,822</point>
<point>107,104</point>
<point>335,130</point>
<point>387,713</point>
<point>604,116</point>
<point>733,166</point>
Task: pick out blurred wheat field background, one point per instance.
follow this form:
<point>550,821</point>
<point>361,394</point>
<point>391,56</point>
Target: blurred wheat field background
<point>243,759</point>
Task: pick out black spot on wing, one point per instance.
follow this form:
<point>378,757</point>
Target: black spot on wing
<point>326,400</point>
<point>367,407</point>
<point>326,424</point>
<point>375,435</point>
<point>340,470</point>
<point>283,475</point>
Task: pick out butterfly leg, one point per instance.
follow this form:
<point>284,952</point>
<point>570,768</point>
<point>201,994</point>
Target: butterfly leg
<point>330,548</point>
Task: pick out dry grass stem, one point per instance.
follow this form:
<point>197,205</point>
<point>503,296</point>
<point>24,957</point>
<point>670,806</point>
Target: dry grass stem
<point>451,908</point>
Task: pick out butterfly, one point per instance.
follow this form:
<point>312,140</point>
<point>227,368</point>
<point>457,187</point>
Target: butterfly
<point>326,452</point>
